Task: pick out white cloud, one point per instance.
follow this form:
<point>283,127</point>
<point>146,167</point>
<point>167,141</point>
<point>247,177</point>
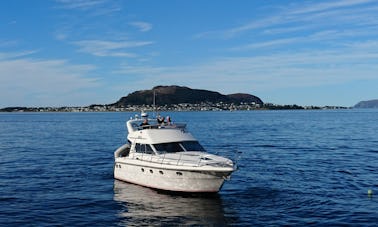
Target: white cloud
<point>269,72</point>
<point>104,48</point>
<point>142,26</point>
<point>232,32</point>
<point>80,4</point>
<point>29,82</point>
<point>16,54</point>
<point>62,34</point>
<point>265,44</point>
<point>93,7</point>
<point>8,43</point>
<point>305,17</point>
<point>329,6</point>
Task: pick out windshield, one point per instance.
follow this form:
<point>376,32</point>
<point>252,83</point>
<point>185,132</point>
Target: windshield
<point>168,147</point>
<point>143,148</point>
<point>162,148</point>
<point>192,146</point>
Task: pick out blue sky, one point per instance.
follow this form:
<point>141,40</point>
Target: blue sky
<point>82,52</point>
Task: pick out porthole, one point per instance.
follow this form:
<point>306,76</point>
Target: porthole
<point>161,172</point>
<point>179,173</point>
<point>151,171</point>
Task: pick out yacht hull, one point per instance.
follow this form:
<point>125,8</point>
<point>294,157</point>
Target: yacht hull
<point>166,156</point>
<point>178,180</point>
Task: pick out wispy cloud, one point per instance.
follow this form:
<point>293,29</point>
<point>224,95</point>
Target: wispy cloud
<point>104,48</point>
<point>323,37</point>
<point>329,6</point>
<point>13,55</point>
<point>8,43</point>
<point>81,4</point>
<point>60,35</point>
<point>95,7</point>
<point>265,44</point>
<point>313,16</point>
<point>232,32</point>
<point>142,70</point>
<point>46,82</point>
<point>142,26</point>
<point>267,72</point>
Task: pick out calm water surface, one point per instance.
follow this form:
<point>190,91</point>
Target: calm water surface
<point>295,168</point>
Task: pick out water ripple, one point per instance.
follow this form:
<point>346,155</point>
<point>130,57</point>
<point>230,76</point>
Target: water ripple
<point>295,168</point>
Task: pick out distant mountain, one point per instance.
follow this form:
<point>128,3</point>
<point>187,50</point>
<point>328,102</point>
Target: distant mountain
<point>169,95</point>
<point>367,104</point>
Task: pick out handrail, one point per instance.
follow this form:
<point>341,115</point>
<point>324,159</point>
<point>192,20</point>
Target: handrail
<point>153,124</point>
<point>163,160</point>
<point>162,126</point>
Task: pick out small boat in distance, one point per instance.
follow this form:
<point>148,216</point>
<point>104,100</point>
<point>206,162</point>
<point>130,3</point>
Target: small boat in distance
<point>165,156</point>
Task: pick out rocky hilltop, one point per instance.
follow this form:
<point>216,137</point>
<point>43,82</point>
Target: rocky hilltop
<point>170,95</point>
<point>367,104</point>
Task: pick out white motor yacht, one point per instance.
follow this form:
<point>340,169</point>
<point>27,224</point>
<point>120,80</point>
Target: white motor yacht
<point>166,156</point>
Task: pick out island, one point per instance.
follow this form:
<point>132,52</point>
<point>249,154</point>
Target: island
<point>367,104</point>
<point>175,98</point>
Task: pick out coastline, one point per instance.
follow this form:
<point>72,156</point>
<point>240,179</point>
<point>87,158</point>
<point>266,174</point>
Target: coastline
<point>176,107</point>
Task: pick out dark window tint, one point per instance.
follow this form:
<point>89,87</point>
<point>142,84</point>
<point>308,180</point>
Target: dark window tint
<point>192,146</point>
<point>143,148</point>
<point>168,147</point>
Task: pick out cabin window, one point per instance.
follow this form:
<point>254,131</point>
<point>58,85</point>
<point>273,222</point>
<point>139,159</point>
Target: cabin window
<point>168,148</point>
<point>143,148</point>
<point>192,146</point>
<point>162,148</point>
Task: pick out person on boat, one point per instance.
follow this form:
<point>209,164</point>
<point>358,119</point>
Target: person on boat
<point>168,120</point>
<point>145,122</point>
<point>160,119</point>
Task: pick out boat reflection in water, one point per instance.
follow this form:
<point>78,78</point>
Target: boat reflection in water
<point>145,206</point>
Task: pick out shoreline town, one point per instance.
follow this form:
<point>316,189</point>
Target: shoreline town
<point>175,107</point>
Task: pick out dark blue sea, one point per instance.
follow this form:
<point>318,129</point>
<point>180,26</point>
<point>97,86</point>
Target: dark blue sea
<point>296,168</point>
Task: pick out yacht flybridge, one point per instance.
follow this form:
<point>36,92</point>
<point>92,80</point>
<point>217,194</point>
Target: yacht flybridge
<point>165,156</point>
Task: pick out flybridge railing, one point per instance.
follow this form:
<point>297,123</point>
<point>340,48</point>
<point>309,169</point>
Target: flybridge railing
<point>154,125</point>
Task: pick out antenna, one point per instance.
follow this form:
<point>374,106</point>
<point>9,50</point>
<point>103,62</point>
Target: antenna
<point>154,103</point>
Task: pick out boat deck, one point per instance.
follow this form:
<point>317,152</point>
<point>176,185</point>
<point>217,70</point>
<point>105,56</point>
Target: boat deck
<point>136,125</point>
